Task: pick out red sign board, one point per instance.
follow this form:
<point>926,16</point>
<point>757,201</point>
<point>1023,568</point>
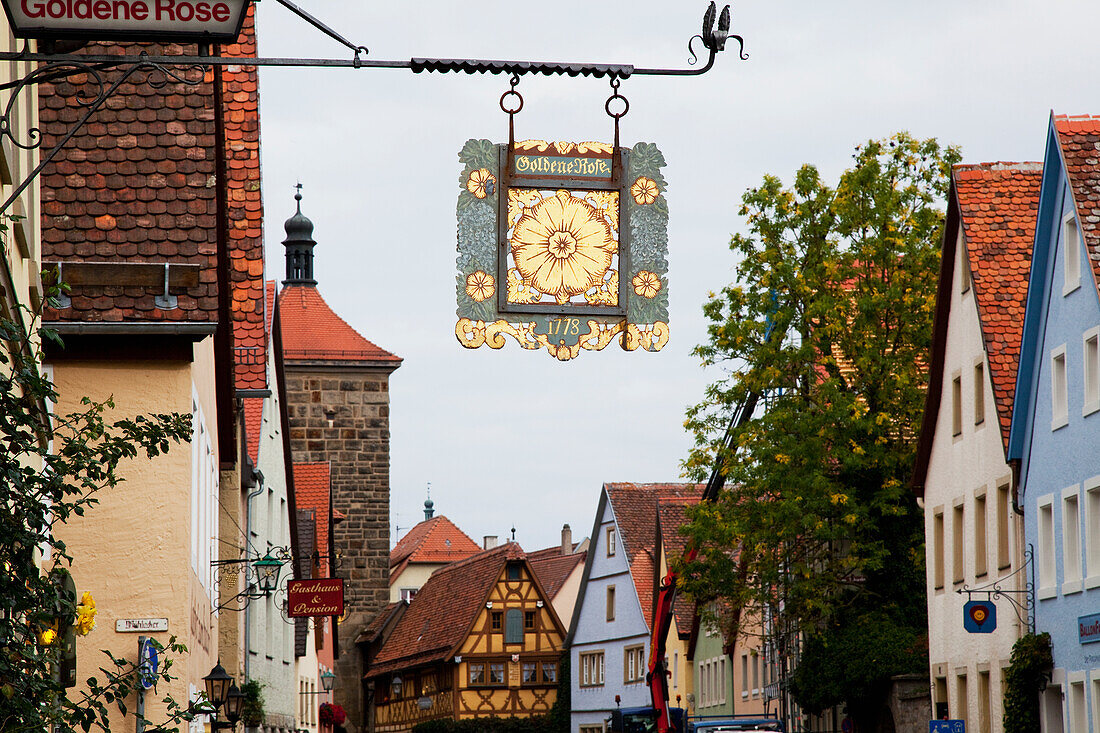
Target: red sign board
<point>317,597</point>
<point>135,20</point>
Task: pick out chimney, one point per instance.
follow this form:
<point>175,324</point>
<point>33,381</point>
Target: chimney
<point>489,542</point>
<point>566,540</point>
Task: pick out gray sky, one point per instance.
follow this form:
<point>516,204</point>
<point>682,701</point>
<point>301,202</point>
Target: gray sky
<point>513,437</point>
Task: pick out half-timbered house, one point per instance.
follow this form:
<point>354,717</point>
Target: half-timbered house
<point>480,639</point>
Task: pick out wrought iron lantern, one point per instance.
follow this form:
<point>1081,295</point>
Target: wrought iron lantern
<point>397,684</point>
<point>267,573</point>
<point>328,679</point>
<point>222,693</point>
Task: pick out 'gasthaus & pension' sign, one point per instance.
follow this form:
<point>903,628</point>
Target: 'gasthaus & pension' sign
<point>136,20</point>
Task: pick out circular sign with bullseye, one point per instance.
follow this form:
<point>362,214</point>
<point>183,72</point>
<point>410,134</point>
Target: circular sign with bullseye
<point>979,617</point>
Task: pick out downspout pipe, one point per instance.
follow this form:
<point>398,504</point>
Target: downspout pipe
<point>258,478</point>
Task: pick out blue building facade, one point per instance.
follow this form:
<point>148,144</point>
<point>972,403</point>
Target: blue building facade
<point>1055,435</point>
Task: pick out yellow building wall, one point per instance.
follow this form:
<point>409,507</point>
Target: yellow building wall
<point>133,549</point>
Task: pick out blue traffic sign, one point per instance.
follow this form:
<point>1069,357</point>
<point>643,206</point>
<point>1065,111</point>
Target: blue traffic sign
<point>148,661</point>
<point>946,726</point>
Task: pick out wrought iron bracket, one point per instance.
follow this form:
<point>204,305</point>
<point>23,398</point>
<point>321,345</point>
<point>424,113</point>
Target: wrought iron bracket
<point>1022,600</point>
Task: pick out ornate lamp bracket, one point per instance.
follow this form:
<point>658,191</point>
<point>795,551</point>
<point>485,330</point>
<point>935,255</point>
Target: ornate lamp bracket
<point>1022,600</point>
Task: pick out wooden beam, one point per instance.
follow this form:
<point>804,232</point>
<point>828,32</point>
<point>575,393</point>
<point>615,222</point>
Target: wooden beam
<point>136,274</point>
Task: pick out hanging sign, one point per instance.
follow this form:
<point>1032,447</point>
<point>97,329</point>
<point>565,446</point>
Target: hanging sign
<point>316,597</point>
<point>562,246</point>
<point>979,617</point>
<point>136,20</point>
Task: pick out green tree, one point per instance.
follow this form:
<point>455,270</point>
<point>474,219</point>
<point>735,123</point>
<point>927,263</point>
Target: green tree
<point>830,321</point>
<point>51,468</point>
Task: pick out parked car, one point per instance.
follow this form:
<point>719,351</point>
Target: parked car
<point>734,724</point>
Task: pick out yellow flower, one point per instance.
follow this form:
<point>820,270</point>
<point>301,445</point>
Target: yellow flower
<point>562,246</point>
<point>85,614</point>
<point>481,183</point>
<point>480,285</point>
<point>48,636</point>
<point>646,284</point>
<point>644,190</point>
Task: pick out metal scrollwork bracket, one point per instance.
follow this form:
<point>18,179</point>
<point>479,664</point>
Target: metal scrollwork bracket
<point>1022,600</point>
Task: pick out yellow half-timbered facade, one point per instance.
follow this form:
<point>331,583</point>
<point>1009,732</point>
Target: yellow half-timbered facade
<point>480,639</point>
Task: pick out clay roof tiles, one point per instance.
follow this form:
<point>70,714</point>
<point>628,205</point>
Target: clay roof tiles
<point>311,330</point>
<point>445,608</point>
<point>672,512</point>
<point>1079,141</point>
<point>554,568</point>
<point>435,540</point>
<point>253,424</point>
<point>312,492</point>
<point>998,206</point>
<point>132,187</point>
<point>635,508</point>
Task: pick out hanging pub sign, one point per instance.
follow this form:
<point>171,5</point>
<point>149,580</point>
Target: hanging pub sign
<point>315,597</point>
<point>562,246</point>
<point>205,21</point>
<point>979,617</point>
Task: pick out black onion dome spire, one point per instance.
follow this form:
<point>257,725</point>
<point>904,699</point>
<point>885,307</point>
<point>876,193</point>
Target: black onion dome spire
<point>299,245</point>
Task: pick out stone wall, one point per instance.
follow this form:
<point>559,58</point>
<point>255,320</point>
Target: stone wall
<point>339,412</point>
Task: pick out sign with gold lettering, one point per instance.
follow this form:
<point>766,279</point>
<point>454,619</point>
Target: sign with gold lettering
<point>316,597</point>
<point>204,21</point>
<point>562,246</point>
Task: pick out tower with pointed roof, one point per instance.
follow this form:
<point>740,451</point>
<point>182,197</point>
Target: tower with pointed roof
<point>337,392</point>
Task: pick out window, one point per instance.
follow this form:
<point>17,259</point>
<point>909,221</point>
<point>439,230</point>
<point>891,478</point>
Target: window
<point>610,603</point>
<point>937,550</point>
<point>956,406</point>
<point>984,703</point>
<point>591,669</point>
<point>528,620</point>
<point>1046,548</point>
<point>496,673</point>
<point>1092,535</point>
<point>1004,560</point>
<point>980,549</point>
<point>979,393</point>
<point>1059,397</point>
<point>531,673</point>
<point>407,594</point>
<point>957,529</point>
<point>1092,370</point>
<point>514,572</point>
<point>962,700</point>
<point>1071,250</point>
<point>1078,722</point>
<point>549,672</point>
<point>476,671</point>
<point>756,674</point>
<point>496,620</point>
<point>634,664</point>
<point>513,626</point>
<point>610,541</point>
<point>1071,541</point>
<point>675,670</point>
<point>964,264</point>
<point>592,729</point>
<point>744,675</point>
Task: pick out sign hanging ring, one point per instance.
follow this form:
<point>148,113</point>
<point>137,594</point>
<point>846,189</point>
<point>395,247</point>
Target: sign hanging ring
<point>506,102</point>
<point>616,96</point>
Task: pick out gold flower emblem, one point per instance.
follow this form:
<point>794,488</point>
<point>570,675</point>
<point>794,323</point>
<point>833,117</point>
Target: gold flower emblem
<point>480,285</point>
<point>562,246</point>
<point>646,284</point>
<point>481,183</point>
<point>644,191</point>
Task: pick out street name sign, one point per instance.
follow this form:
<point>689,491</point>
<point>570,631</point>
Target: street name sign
<point>139,625</point>
<point>204,21</point>
<point>316,597</point>
<point>1088,629</point>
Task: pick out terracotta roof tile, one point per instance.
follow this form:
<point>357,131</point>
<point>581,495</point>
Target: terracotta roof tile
<point>635,508</point>
<point>435,540</point>
<point>443,611</point>
<point>241,101</point>
<point>553,568</point>
<point>1079,141</point>
<point>312,331</point>
<point>253,424</point>
<point>672,514</point>
<point>998,206</point>
<point>312,493</point>
<point>132,186</point>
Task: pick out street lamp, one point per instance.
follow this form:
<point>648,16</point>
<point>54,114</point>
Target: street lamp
<point>221,692</point>
<point>267,573</point>
<point>327,680</point>
<point>397,682</point>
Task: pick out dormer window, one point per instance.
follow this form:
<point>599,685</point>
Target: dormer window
<point>1071,254</point>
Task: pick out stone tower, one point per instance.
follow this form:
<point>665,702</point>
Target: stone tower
<point>337,393</point>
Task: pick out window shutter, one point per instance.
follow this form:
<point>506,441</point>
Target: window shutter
<point>513,626</point>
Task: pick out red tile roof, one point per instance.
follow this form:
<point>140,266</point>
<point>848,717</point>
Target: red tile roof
<point>1079,141</point>
<point>241,113</point>
<point>253,424</point>
<point>435,540</point>
<point>132,186</point>
<point>312,331</point>
<point>998,206</point>
<point>635,508</point>
<point>444,610</point>
<point>312,492</point>
<point>554,568</point>
<point>672,514</point>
